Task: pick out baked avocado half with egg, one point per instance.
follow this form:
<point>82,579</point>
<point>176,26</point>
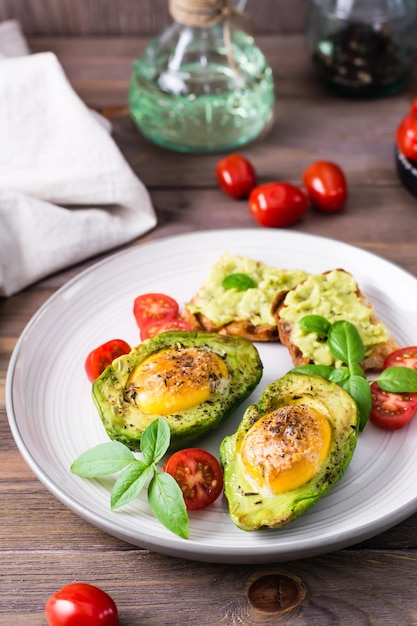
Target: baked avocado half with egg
<point>193,380</point>
<point>288,451</point>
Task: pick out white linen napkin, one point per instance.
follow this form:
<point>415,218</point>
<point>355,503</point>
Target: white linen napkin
<point>66,191</point>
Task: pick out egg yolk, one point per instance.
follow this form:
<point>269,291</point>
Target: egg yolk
<point>172,380</point>
<point>285,449</point>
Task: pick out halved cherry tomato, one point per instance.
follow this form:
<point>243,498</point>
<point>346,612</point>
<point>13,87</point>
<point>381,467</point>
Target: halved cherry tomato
<point>151,329</point>
<point>199,474</point>
<point>403,357</point>
<point>236,176</point>
<point>81,604</point>
<point>101,357</point>
<point>152,307</point>
<point>406,136</point>
<point>277,204</point>
<point>326,186</point>
<point>391,411</point>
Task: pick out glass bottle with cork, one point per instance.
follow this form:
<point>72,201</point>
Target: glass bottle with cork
<point>364,48</point>
<point>202,85</point>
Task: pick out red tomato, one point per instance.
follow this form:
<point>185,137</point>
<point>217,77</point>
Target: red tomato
<point>391,411</point>
<point>414,105</point>
<point>81,604</point>
<point>407,136</point>
<point>403,357</point>
<point>236,176</point>
<point>326,186</point>
<point>277,204</point>
<point>154,328</point>
<point>101,357</point>
<point>199,474</point>
<point>152,307</point>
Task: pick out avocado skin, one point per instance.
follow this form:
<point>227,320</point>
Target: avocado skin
<point>124,422</point>
<point>250,510</point>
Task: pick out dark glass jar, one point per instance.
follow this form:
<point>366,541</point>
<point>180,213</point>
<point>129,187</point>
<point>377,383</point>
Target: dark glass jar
<point>363,48</point>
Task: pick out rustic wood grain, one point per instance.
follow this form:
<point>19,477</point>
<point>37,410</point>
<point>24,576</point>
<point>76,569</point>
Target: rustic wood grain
<point>43,545</point>
<point>100,70</point>
<point>154,590</point>
<point>135,17</point>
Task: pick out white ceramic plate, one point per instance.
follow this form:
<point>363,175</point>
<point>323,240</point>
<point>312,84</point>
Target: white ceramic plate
<point>53,418</point>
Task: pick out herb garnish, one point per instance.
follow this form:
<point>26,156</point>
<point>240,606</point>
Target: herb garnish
<point>164,494</point>
<point>240,282</point>
<point>346,345</point>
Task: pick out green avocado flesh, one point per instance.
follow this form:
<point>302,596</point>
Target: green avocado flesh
<point>116,391</point>
<point>298,395</point>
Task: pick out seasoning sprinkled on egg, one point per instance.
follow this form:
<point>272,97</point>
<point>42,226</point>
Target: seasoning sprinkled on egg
<point>284,449</point>
<point>174,380</point>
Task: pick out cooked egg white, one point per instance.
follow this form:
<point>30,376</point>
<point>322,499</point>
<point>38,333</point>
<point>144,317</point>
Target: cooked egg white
<point>172,380</point>
<point>285,449</point>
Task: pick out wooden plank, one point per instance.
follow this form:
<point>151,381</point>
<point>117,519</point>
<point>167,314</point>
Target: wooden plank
<point>154,590</point>
<point>100,68</point>
<point>131,17</point>
<point>297,137</point>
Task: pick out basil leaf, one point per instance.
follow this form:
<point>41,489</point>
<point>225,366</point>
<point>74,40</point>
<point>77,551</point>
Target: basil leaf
<point>130,483</point>
<point>360,391</point>
<point>315,324</point>
<point>167,503</point>
<point>356,370</point>
<point>345,342</point>
<point>241,282</point>
<point>398,379</point>
<point>164,494</point>
<point>319,370</point>
<point>104,459</point>
<point>339,375</point>
<point>155,441</point>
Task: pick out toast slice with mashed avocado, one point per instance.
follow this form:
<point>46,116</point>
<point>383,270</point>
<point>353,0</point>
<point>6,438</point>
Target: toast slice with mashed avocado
<point>335,295</point>
<point>237,296</point>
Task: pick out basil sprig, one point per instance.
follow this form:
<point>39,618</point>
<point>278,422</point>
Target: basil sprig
<point>346,346</point>
<point>164,494</point>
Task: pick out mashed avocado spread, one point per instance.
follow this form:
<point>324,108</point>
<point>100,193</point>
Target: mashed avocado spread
<point>222,306</point>
<point>333,296</point>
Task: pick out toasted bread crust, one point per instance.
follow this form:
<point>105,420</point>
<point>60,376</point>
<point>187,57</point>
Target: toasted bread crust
<point>372,362</point>
<point>199,322</point>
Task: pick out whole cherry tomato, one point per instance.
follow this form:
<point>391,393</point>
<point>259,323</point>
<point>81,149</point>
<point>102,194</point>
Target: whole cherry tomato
<point>153,307</point>
<point>277,204</point>
<point>326,186</point>
<point>406,136</point>
<point>101,357</point>
<point>199,474</point>
<point>236,176</point>
<point>81,604</point>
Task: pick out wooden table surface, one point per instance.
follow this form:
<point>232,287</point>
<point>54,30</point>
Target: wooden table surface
<point>43,544</point>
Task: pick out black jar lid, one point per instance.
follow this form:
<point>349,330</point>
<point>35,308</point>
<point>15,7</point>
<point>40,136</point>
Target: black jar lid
<point>407,172</point>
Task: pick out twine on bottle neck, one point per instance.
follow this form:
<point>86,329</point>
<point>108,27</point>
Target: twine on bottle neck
<point>207,13</point>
